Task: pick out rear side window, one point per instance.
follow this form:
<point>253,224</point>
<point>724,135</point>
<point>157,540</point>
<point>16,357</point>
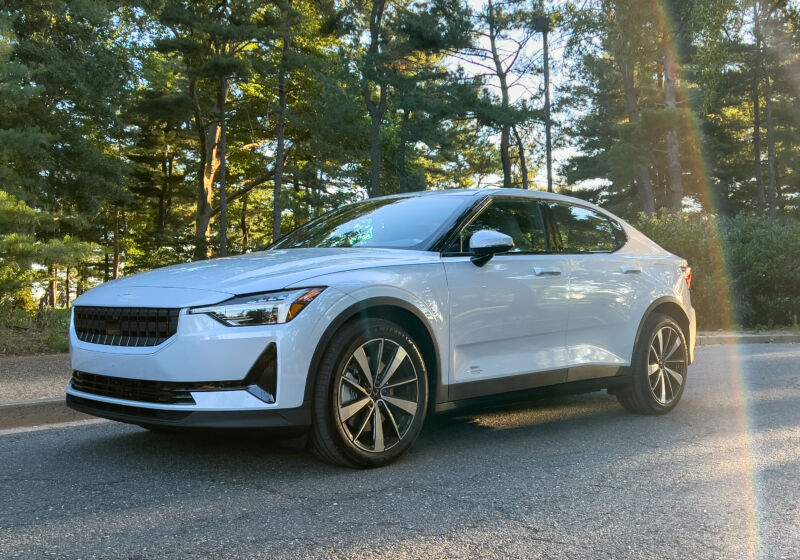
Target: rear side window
<point>520,219</point>
<point>585,231</point>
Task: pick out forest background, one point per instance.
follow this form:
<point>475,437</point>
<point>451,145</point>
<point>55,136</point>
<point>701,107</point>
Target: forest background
<point>140,133</point>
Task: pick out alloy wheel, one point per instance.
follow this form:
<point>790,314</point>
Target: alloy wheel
<point>378,395</point>
<point>666,365</point>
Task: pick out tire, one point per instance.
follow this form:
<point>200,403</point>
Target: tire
<point>658,370</point>
<point>370,396</point>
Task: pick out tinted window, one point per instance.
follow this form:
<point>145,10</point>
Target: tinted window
<point>519,219</point>
<point>585,231</point>
<point>402,223</point>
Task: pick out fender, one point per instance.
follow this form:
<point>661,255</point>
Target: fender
<point>359,308</point>
<point>649,311</point>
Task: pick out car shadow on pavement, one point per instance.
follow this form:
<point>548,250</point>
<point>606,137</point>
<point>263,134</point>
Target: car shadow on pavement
<point>448,435</point>
<point>591,428</point>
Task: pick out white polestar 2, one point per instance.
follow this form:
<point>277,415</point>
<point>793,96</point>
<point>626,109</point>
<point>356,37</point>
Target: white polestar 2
<point>360,323</point>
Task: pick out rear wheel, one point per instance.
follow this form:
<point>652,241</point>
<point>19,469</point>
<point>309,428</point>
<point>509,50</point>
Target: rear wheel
<point>659,368</point>
<point>370,397</point>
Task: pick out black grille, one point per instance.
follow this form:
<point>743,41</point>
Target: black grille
<point>132,389</point>
<point>125,326</point>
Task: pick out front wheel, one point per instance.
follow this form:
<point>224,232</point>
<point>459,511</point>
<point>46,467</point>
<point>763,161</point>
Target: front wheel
<point>659,368</point>
<point>370,396</point>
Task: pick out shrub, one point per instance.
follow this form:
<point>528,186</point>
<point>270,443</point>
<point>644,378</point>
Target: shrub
<point>753,260</point>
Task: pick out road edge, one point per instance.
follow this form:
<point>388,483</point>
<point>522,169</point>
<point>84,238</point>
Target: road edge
<point>709,339</point>
<point>39,412</point>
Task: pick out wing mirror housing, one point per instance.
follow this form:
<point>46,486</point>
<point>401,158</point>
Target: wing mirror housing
<point>485,244</point>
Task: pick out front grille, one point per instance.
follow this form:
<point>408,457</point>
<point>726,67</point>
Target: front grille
<point>125,326</point>
<point>132,389</point>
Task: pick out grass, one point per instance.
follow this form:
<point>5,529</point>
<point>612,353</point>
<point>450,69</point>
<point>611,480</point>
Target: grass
<point>25,333</point>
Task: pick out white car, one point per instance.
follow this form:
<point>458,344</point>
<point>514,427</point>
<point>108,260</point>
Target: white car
<point>363,321</point>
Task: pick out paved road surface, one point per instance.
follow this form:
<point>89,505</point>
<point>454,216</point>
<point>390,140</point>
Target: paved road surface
<point>571,477</point>
<point>24,378</point>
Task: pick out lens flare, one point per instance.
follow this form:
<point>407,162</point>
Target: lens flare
<point>691,146</point>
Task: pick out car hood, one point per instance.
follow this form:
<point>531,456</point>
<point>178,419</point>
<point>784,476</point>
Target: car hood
<point>214,280</point>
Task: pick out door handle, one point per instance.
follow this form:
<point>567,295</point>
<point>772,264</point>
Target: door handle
<point>546,271</point>
<point>631,270</point>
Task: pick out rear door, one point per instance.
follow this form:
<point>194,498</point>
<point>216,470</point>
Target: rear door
<point>507,318</point>
<point>608,290</point>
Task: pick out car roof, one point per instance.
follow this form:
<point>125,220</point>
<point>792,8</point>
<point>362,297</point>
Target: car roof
<point>490,191</point>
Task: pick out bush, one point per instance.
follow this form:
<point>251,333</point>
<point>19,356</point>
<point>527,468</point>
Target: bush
<point>754,261</point>
<point>30,332</point>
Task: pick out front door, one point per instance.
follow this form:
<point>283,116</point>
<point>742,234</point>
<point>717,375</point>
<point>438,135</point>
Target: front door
<point>507,318</point>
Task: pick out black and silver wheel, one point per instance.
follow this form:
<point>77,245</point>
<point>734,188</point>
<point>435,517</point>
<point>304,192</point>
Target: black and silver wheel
<point>659,368</point>
<point>371,395</point>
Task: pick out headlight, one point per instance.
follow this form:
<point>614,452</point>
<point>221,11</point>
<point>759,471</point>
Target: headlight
<point>271,308</point>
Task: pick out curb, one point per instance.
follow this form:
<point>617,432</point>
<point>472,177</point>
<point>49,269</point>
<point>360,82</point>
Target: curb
<point>744,338</point>
<point>37,413</point>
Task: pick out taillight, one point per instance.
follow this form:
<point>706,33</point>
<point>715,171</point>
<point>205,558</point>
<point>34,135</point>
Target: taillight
<point>687,273</point>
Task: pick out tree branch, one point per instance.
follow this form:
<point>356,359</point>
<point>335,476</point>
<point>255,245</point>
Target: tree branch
<point>257,182</point>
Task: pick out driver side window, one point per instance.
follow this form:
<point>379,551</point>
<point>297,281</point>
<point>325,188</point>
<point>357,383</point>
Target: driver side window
<point>519,219</point>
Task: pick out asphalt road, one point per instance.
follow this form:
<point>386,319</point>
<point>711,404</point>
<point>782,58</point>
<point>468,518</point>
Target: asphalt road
<point>568,477</point>
<point>24,378</point>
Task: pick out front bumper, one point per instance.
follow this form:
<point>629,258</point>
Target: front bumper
<point>177,418</point>
<point>202,357</point>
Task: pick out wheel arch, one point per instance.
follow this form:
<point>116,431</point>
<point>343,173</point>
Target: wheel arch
<point>404,315</point>
<point>671,307</point>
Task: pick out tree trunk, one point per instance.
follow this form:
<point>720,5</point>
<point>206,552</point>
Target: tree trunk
<point>548,122</point>
<point>673,155</point>
<point>243,224</point>
<point>205,193</point>
<point>106,260</point>
<point>66,287</point>
<point>376,110</point>
<point>757,111</point>
<point>772,193</point>
<point>208,135</point>
<point>402,175</point>
<point>161,215</point>
<point>222,98</point>
<point>80,287</point>
<point>318,195</point>
<point>505,155</point>
<point>643,184</point>
<point>52,287</point>
<point>523,163</point>
<point>375,157</point>
<point>168,193</point>
<point>116,244</point>
<point>502,75</point>
<point>280,151</point>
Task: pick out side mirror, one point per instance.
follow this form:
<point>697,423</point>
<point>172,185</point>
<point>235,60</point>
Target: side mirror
<point>486,243</point>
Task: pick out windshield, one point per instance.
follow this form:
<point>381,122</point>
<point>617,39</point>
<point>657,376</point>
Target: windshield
<point>397,223</point>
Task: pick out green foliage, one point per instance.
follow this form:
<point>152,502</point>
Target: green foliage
<point>20,249</point>
<point>749,259</point>
<point>763,263</point>
<point>720,73</point>
<point>23,331</point>
<point>108,113</point>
